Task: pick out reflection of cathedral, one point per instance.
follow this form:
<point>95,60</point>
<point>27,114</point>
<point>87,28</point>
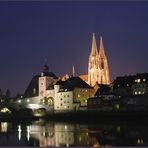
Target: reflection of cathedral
<point>98,70</point>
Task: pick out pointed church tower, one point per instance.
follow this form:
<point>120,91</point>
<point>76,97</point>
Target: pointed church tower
<point>104,77</point>
<point>73,71</point>
<point>98,71</point>
<point>93,66</point>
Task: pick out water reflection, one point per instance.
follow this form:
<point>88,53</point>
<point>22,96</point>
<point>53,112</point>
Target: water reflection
<point>46,133</point>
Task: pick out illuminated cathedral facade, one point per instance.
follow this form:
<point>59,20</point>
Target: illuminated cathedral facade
<point>98,71</point>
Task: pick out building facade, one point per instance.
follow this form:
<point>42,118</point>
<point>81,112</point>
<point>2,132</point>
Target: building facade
<point>98,71</point>
<point>71,94</point>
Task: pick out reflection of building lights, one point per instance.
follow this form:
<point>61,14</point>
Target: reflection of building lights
<point>19,132</point>
<point>4,126</point>
<point>67,145</point>
<point>118,129</point>
<point>66,127</point>
<point>80,138</point>
<point>140,141</point>
<point>28,133</point>
<point>44,134</point>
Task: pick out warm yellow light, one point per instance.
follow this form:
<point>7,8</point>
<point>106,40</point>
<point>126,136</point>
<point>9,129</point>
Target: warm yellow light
<point>138,80</point>
<point>19,101</point>
<point>144,80</point>
<point>4,126</point>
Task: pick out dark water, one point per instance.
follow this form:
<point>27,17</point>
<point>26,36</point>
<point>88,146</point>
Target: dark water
<point>49,133</point>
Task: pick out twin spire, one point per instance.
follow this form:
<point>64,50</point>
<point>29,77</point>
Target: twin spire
<point>94,50</point>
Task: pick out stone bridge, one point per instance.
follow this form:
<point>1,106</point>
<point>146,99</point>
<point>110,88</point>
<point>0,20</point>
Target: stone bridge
<point>35,109</point>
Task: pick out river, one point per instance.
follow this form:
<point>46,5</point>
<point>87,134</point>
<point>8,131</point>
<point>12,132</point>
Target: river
<point>53,133</point>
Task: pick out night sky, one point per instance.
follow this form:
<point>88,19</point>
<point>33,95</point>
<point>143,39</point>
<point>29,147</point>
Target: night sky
<point>60,34</point>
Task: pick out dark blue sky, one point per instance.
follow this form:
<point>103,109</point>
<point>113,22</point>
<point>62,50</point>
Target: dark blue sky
<point>61,32</point>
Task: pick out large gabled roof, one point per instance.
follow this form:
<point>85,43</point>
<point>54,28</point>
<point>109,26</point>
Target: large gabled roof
<point>34,83</point>
<point>74,82</point>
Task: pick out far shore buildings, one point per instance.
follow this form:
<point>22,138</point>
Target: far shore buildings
<point>70,93</point>
<point>47,89</point>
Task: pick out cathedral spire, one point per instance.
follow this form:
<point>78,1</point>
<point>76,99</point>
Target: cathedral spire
<point>101,50</point>
<point>94,50</point>
<point>73,71</point>
<point>98,70</point>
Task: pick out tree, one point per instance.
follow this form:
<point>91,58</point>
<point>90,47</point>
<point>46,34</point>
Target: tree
<point>8,94</point>
<point>1,93</point>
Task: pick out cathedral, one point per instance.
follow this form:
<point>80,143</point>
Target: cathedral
<point>98,71</point>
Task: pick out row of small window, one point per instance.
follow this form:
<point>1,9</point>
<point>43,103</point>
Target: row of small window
<point>140,80</point>
<point>64,101</point>
<point>139,86</point>
<point>65,96</point>
<point>119,85</point>
<point>62,105</point>
<point>94,102</point>
<point>83,95</point>
<point>139,92</point>
<point>85,90</point>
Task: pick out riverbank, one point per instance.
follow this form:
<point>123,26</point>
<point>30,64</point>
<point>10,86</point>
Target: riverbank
<point>85,116</point>
<point>95,115</point>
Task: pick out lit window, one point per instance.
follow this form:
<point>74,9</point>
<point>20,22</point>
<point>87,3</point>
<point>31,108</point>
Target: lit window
<point>143,92</point>
<point>117,106</point>
<point>86,90</point>
<point>28,100</point>
<point>127,84</point>
<point>118,85</point>
<point>65,107</point>
<point>78,95</point>
<point>144,80</point>
<point>138,80</point>
<point>135,92</point>
<point>135,80</point>
<point>139,92</point>
<point>19,101</point>
<point>43,101</point>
